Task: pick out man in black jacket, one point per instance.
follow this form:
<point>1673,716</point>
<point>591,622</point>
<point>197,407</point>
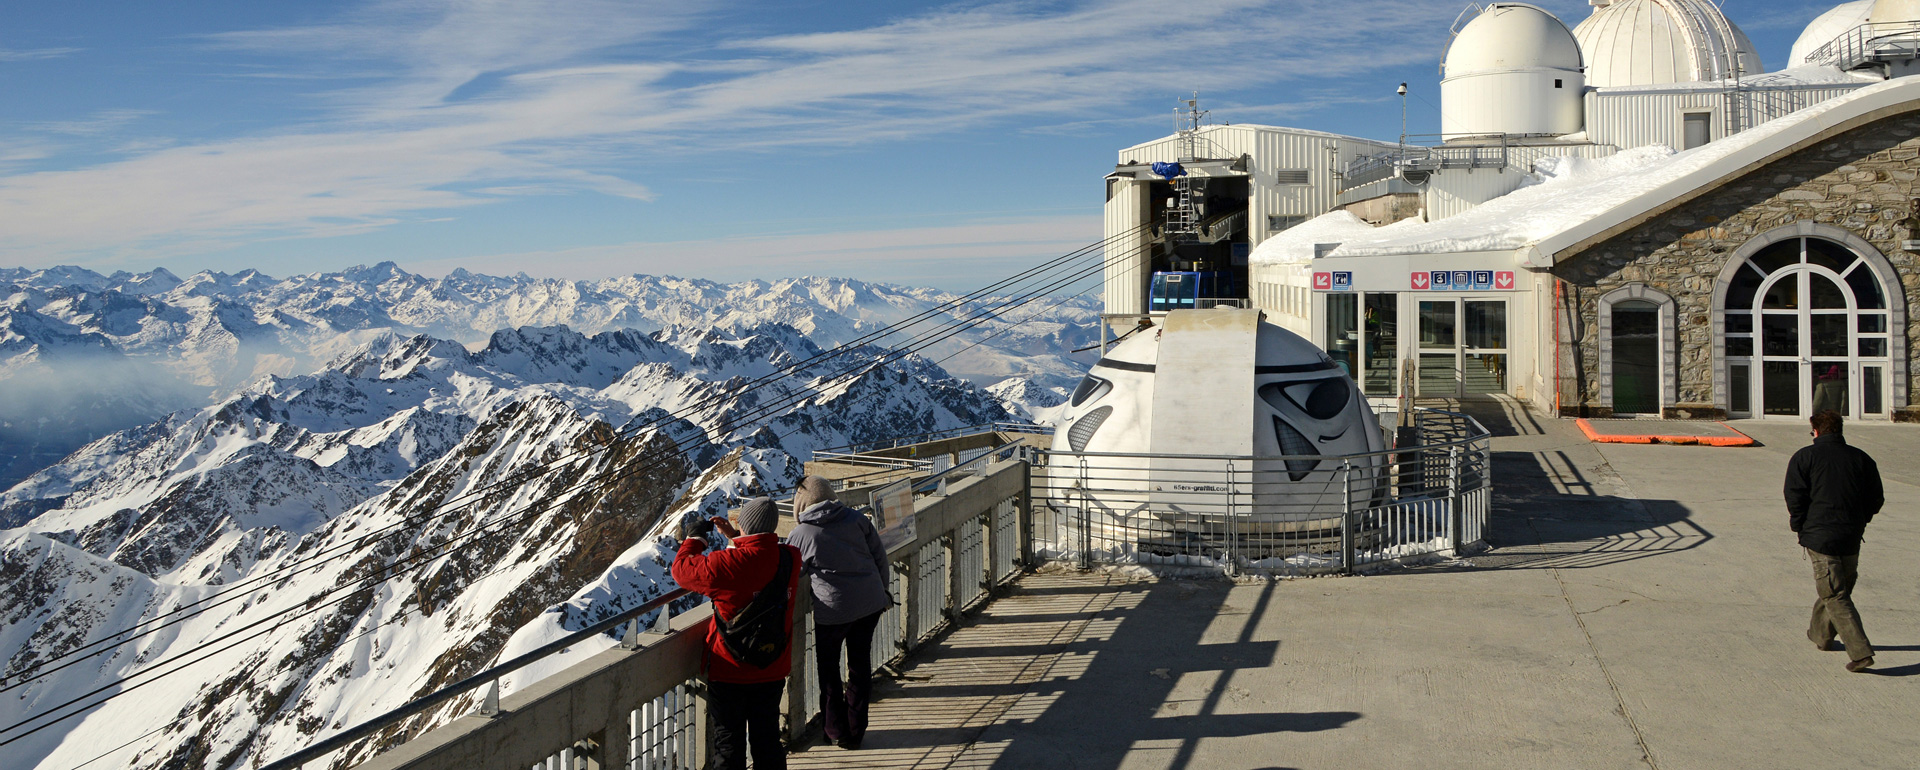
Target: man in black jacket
<point>1833,490</point>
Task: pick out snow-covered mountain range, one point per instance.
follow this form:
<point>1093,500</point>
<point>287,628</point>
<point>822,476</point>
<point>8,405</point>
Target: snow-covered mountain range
<point>381,497</point>
<point>83,355</point>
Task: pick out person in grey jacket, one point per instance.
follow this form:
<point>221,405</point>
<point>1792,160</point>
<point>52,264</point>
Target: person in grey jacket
<point>847,569</point>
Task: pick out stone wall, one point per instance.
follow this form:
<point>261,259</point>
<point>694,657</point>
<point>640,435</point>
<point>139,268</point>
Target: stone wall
<point>1860,181</point>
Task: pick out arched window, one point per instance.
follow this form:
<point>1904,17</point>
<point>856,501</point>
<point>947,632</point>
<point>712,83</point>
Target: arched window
<point>1806,319</point>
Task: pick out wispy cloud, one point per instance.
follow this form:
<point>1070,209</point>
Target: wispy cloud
<point>496,98</point>
<point>7,55</point>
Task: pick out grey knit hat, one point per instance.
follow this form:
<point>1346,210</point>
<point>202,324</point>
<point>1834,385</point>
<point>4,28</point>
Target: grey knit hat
<point>758,516</point>
<point>812,489</point>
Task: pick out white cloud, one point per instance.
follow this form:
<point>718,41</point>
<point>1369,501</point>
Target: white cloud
<point>7,55</point>
<point>493,98</point>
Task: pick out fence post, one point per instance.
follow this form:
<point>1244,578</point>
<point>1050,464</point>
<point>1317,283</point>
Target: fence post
<point>1346,516</point>
<point>797,716</point>
<point>950,543</point>
<point>1233,526</point>
<point>909,600</point>
<point>1454,509</point>
<point>1085,514</point>
<point>1023,526</point>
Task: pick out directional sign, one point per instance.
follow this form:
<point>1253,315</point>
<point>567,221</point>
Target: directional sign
<point>1342,280</point>
<point>1503,279</point>
<point>1442,279</point>
<point>1322,281</point>
<point>1420,279</point>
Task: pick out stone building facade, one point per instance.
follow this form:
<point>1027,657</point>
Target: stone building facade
<point>1856,189</point>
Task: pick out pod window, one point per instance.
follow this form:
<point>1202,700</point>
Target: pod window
<point>1320,399</point>
<point>1090,389</point>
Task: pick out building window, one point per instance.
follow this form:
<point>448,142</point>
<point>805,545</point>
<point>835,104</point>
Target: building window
<point>1556,82</point>
<point>1278,222</point>
<point>1806,325</point>
<point>1291,176</point>
<point>1696,129</point>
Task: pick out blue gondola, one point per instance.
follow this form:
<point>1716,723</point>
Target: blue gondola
<point>1189,290</point>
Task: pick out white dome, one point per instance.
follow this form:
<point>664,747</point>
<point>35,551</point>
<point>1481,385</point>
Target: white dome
<point>1647,42</point>
<point>1514,69</point>
<point>1886,11</point>
<point>1508,36</point>
<point>1837,21</point>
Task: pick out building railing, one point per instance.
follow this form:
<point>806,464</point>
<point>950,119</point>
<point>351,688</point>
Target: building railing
<point>1289,515</point>
<point>641,705</point>
<point>1003,426</point>
<point>1870,42</point>
<point>1427,153</point>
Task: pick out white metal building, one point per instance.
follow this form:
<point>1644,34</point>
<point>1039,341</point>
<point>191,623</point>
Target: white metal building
<point>1577,161</point>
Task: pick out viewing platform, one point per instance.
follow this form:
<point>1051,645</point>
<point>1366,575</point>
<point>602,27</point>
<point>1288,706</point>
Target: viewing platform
<point>1639,606</point>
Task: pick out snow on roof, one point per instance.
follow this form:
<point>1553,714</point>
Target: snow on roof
<point>1294,245</point>
<point>1579,199</point>
<point>1567,190</point>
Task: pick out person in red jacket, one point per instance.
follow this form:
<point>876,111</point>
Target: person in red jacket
<point>745,701</point>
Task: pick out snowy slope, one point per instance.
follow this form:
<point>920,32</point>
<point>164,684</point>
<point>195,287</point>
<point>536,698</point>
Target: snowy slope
<point>363,462</point>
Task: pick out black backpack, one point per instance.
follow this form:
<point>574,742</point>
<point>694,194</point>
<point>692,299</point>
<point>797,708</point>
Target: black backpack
<point>757,635</point>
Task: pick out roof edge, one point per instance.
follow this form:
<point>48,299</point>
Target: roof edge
<point>1875,102</point>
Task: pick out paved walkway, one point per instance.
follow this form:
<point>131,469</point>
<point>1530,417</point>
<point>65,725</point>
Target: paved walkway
<point>1644,606</point>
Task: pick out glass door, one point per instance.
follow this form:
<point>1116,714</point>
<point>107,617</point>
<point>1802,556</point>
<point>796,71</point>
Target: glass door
<point>1806,330</point>
<point>1463,347</point>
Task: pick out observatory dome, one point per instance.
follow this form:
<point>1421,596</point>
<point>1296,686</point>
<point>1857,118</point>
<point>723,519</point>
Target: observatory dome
<point>1887,11</point>
<point>1837,21</point>
<point>1646,42</point>
<point>1513,69</point>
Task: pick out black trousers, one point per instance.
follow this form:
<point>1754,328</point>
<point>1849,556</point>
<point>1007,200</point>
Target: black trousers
<point>844,707</point>
<point>746,715</point>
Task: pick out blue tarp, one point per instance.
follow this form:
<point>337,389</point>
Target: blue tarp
<point>1168,170</point>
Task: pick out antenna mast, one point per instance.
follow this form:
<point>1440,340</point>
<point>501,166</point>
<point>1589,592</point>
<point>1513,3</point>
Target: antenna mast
<point>1183,218</point>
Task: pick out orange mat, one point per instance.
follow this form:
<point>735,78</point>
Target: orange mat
<point>1738,439</point>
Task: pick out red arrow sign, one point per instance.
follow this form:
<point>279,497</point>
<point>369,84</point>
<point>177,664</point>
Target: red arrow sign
<point>1323,281</point>
<point>1503,279</point>
<point>1420,279</point>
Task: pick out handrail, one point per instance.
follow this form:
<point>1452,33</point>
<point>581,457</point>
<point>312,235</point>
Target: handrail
<point>444,694</point>
<point>1859,45</point>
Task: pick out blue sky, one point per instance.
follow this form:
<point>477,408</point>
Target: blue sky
<point>939,144</point>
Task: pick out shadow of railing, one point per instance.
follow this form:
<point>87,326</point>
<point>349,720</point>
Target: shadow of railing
<point>1106,677</point>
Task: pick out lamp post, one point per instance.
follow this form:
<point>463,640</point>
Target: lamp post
<point>1403,113</point>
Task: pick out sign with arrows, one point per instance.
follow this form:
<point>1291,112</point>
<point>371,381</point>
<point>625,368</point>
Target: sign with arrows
<point>1446,280</point>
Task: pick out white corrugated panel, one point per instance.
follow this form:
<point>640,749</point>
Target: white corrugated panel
<point>1125,285</point>
<point>1641,118</point>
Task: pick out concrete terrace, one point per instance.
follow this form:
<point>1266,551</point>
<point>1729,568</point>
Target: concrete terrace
<point>1643,606</point>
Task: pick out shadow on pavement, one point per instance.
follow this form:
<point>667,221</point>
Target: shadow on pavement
<point>1131,677</point>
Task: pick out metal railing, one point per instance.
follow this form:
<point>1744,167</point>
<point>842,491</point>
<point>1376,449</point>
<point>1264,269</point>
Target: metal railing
<point>641,705</point>
<point>1870,42</point>
<point>918,438</point>
<point>1429,153</point>
<point>1270,515</point>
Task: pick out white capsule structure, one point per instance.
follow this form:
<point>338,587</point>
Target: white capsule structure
<point>1216,424</point>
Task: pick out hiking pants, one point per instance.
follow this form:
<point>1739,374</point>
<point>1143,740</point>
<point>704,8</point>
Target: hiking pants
<point>1834,613</point>
<point>845,706</point>
<point>746,715</point>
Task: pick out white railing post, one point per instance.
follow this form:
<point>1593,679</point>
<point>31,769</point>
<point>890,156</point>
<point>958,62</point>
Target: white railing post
<point>1232,565</point>
<point>1347,547</point>
<point>1454,508</point>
